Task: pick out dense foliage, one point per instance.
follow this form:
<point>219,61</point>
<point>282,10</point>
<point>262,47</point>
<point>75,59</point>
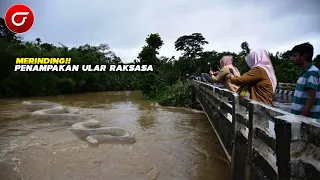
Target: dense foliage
<point>166,84</point>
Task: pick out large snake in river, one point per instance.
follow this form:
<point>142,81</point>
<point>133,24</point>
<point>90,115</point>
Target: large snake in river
<point>91,130</point>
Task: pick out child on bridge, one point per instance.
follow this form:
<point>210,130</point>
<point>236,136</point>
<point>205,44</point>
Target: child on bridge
<point>219,77</point>
<point>260,80</point>
<point>306,98</point>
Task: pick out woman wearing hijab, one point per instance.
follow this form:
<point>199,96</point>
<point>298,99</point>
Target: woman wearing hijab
<point>260,80</point>
<point>227,67</point>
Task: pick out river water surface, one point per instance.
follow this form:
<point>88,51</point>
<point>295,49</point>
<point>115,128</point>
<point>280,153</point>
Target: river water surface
<point>172,143</point>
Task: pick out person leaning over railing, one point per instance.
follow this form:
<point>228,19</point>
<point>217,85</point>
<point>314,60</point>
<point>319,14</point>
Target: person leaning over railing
<point>219,77</point>
<point>260,81</point>
<point>306,97</point>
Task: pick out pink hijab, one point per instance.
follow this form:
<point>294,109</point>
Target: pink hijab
<point>261,58</point>
<point>227,61</point>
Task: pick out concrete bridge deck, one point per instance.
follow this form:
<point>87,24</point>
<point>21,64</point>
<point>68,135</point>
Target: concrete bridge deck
<point>288,150</point>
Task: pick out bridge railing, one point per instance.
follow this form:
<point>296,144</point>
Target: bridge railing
<point>284,91</point>
<point>286,86</point>
<point>217,107</point>
<point>298,147</point>
<point>255,150</point>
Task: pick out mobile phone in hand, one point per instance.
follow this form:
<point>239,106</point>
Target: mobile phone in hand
<point>231,71</point>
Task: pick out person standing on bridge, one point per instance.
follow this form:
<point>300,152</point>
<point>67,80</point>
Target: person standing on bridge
<point>219,77</point>
<point>260,80</point>
<point>306,97</point>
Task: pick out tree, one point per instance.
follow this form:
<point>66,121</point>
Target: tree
<point>148,55</point>
<point>5,32</point>
<point>168,75</point>
<point>47,46</point>
<point>154,41</point>
<point>245,48</point>
<point>316,61</point>
<point>116,59</point>
<point>38,40</point>
<point>191,45</point>
<point>149,52</point>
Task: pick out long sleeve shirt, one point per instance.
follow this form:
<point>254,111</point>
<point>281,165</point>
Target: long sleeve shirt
<point>220,78</point>
<point>258,83</point>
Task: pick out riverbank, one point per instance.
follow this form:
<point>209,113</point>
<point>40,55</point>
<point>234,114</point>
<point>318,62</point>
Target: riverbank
<point>177,95</point>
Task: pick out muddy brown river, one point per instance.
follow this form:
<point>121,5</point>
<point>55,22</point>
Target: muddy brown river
<point>171,143</point>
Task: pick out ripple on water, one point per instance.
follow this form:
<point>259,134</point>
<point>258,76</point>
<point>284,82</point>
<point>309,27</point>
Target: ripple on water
<point>172,143</point>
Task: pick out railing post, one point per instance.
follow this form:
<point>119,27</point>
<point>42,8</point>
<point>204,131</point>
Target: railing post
<point>284,127</point>
<point>234,116</point>
<point>248,168</point>
<point>193,95</point>
<point>218,95</point>
<point>235,102</point>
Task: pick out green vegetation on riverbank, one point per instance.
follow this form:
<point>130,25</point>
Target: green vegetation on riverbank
<point>165,85</point>
<point>178,95</point>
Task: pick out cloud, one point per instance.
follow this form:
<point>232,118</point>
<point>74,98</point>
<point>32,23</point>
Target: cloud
<point>124,24</point>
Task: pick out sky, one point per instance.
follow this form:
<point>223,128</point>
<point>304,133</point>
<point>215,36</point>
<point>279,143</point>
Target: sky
<point>125,24</point>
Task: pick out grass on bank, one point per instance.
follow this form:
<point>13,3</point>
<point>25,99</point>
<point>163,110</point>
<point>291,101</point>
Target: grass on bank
<point>177,95</point>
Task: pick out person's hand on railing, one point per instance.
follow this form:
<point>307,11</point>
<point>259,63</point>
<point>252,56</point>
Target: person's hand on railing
<point>229,76</point>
